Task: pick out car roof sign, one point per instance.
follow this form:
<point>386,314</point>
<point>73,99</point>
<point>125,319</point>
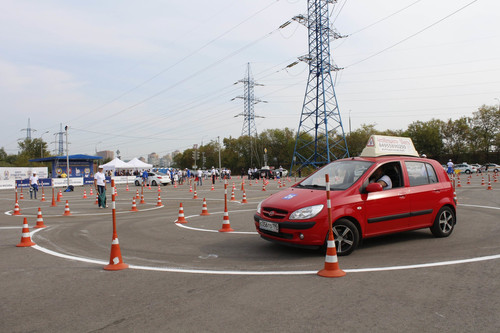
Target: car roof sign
<point>380,145</point>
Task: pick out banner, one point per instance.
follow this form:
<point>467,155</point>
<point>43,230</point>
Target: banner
<point>14,173</point>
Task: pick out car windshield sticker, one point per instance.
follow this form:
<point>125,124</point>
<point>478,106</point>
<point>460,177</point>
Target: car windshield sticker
<point>288,197</point>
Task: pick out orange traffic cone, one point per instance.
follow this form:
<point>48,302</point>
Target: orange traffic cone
<point>137,194</point>
<point>190,188</point>
<point>158,203</point>
<point>482,181</point>
<point>53,199</point>
<point>195,196</point>
<point>212,189</point>
<point>43,196</point>
<point>226,225</point>
<point>489,183</point>
<point>142,199</point>
<point>332,268</point>
<point>115,260</point>
<point>232,196</point>
<point>96,200</point>
<point>181,218</point>
<point>26,236</point>
<point>204,209</point>
<point>59,196</point>
<point>175,184</point>
<point>21,196</point>
<point>468,180</point>
<point>244,200</point>
<point>458,182</point>
<point>243,185</point>
<point>127,188</point>
<point>39,220</point>
<point>17,210</point>
<point>84,194</point>
<point>159,189</point>
<point>263,186</point>
<point>134,206</point>
<point>91,192</point>
<point>149,186</point>
<point>66,209</point>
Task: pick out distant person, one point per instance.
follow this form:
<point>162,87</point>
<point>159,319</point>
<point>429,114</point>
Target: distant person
<point>33,185</point>
<point>145,177</point>
<point>199,175</point>
<point>100,186</point>
<point>450,167</point>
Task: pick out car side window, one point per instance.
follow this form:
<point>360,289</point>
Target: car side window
<point>420,173</point>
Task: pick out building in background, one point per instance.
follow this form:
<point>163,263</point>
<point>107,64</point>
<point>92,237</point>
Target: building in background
<point>106,154</point>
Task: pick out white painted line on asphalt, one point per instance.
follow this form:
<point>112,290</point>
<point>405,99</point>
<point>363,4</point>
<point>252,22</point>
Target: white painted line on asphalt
<point>478,206</point>
<point>223,272</point>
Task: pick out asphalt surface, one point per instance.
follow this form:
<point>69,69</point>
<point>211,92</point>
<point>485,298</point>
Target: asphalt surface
<point>191,278</point>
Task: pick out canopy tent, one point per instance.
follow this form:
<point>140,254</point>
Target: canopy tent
<point>138,164</point>
<point>116,164</point>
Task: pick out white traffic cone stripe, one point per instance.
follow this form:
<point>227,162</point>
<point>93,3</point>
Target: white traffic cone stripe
<point>115,241</point>
<point>331,259</point>
<point>26,234</point>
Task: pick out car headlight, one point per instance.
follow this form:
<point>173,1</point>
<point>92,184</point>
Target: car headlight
<point>258,207</point>
<point>306,212</point>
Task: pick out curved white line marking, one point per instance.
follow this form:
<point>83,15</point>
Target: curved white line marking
<point>222,272</point>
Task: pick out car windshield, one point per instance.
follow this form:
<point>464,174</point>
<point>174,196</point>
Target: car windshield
<point>342,175</point>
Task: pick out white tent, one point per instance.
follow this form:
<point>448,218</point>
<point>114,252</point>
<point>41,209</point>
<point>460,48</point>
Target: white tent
<point>116,164</point>
<point>138,164</point>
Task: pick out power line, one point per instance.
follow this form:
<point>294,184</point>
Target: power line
<point>413,35</point>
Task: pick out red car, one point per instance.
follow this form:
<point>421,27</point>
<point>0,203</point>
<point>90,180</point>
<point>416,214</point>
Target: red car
<point>416,194</point>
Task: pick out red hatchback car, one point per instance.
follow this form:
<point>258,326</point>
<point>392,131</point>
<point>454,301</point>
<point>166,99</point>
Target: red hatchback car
<point>416,194</point>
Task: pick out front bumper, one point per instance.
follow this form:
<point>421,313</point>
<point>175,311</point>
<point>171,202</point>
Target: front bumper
<point>293,233</point>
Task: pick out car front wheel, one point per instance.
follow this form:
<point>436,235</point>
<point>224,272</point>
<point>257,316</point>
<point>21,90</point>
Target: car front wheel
<point>137,183</point>
<point>346,237</point>
<point>153,183</point>
<point>444,223</point>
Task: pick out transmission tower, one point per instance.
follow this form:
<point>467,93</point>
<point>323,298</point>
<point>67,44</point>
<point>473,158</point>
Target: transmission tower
<point>248,114</point>
<point>320,137</point>
<point>60,141</point>
<point>28,130</point>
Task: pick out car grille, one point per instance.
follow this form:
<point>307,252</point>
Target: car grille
<point>273,213</point>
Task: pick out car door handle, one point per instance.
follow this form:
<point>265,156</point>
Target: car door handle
<point>402,195</point>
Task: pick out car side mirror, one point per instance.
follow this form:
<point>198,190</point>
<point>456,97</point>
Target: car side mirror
<point>374,187</point>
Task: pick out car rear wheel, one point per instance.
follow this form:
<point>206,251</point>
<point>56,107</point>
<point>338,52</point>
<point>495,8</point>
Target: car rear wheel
<point>137,183</point>
<point>153,183</point>
<point>467,171</point>
<point>346,237</point>
<point>444,223</point>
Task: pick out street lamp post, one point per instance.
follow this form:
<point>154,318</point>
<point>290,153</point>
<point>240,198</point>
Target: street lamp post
<point>41,144</point>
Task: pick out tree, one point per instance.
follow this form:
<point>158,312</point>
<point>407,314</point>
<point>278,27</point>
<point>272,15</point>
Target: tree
<point>33,148</point>
<point>455,136</point>
<point>427,137</point>
<point>485,125</point>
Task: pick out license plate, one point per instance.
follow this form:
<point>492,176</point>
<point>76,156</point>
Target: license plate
<point>269,226</point>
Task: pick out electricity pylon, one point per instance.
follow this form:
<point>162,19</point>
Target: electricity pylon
<point>248,114</point>
<point>320,137</point>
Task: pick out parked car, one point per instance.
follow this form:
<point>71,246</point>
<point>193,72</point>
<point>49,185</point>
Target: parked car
<point>479,167</point>
<point>422,196</point>
<point>465,168</point>
<point>492,167</point>
<point>154,178</point>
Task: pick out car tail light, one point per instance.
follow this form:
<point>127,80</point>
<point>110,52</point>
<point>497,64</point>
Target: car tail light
<point>159,177</point>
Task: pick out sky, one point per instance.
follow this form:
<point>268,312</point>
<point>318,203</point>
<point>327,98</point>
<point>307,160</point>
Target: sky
<point>159,76</point>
